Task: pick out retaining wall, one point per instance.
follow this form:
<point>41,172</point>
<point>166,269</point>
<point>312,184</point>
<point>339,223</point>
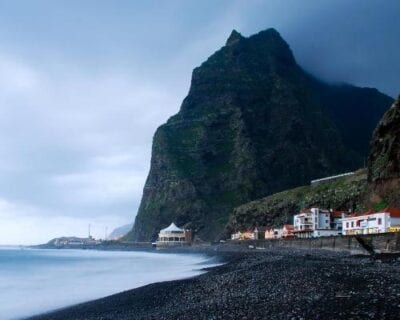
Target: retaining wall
<point>382,243</point>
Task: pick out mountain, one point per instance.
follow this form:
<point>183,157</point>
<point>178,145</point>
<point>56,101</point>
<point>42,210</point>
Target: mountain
<point>119,232</point>
<point>253,123</point>
<point>384,160</point>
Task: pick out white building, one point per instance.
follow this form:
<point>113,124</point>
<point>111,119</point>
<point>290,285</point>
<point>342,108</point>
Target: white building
<point>245,235</point>
<point>371,222</point>
<point>313,222</point>
<point>235,236</point>
<point>173,236</point>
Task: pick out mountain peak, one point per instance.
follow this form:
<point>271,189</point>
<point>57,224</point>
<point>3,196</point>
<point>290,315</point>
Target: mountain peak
<point>254,123</point>
<point>233,38</point>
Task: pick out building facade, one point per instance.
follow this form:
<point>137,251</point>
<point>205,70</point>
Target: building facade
<point>314,222</point>
<point>287,231</point>
<point>371,222</point>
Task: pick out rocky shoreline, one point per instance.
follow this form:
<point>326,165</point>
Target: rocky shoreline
<point>265,284</point>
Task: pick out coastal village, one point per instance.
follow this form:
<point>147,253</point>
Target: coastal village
<point>322,222</point>
<point>317,222</point>
<point>312,222</point>
<point>308,223</point>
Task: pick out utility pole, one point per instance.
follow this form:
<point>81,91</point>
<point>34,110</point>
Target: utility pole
<point>89,231</point>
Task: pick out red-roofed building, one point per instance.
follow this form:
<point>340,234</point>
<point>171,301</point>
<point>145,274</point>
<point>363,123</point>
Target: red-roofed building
<point>287,231</point>
<point>369,222</point>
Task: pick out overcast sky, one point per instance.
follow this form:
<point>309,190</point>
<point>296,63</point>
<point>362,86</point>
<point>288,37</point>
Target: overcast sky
<point>84,85</point>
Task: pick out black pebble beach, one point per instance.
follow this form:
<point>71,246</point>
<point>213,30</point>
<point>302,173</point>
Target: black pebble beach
<point>263,284</point>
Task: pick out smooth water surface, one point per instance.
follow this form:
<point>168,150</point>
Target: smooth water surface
<point>34,281</point>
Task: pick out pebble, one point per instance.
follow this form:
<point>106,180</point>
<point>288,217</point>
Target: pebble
<point>269,284</point>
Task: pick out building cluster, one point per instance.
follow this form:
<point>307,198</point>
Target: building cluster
<point>75,242</point>
<point>316,222</point>
<point>261,233</point>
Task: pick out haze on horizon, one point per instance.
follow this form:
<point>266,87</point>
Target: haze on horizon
<point>84,85</point>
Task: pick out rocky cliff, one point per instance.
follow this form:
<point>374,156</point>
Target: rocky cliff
<point>253,123</point>
<point>384,160</point>
<point>374,188</point>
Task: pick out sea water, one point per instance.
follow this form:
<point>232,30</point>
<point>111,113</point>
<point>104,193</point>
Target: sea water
<point>34,281</point>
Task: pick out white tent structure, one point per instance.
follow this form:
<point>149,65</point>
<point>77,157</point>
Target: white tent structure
<point>172,228</point>
<point>172,236</point>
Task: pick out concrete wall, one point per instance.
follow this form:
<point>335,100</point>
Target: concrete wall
<point>383,242</point>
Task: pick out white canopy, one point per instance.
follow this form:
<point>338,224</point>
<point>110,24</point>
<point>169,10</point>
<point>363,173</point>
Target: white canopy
<point>172,228</point>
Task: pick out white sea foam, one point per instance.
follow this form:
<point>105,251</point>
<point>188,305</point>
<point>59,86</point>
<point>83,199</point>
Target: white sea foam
<point>35,281</point>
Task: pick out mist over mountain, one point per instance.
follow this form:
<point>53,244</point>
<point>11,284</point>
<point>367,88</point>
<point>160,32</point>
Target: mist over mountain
<point>253,123</point>
<point>119,232</point>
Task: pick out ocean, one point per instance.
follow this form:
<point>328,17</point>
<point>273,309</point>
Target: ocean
<point>33,281</point>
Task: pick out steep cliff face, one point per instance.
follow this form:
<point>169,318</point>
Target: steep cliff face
<point>253,123</point>
<point>384,159</point>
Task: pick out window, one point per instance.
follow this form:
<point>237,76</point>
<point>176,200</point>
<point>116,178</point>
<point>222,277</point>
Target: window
<point>352,224</point>
<point>326,221</point>
<point>379,220</point>
<point>347,225</point>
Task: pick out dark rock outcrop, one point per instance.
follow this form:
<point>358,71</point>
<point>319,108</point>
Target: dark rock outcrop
<point>253,123</point>
<point>384,159</point>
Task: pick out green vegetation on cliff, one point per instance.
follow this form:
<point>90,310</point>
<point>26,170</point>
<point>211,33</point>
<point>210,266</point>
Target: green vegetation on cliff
<point>355,193</point>
<point>254,123</point>
<point>384,160</point>
<point>346,193</point>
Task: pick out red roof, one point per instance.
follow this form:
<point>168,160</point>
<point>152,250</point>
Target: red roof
<point>288,226</point>
<point>393,212</point>
<point>305,210</point>
<point>336,214</point>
